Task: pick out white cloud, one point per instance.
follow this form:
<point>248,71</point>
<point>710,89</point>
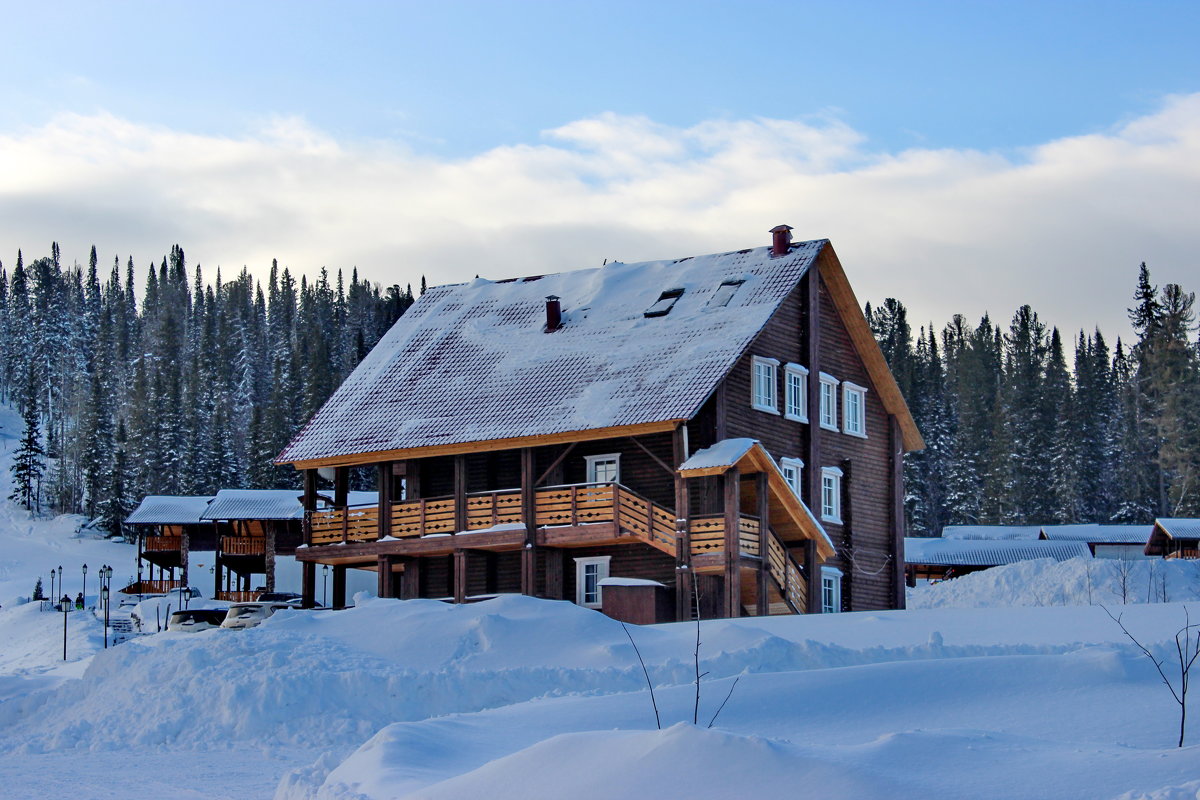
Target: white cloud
<point>1063,226</point>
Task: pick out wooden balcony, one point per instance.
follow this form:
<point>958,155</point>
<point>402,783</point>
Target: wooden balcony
<point>243,545</point>
<point>238,597</point>
<point>1184,552</point>
<point>151,587</point>
<point>162,544</point>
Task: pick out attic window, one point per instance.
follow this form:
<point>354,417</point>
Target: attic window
<point>724,294</point>
<point>664,304</point>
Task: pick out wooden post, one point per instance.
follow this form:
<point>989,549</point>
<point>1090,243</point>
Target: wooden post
<point>183,554</point>
<point>308,583</point>
<point>764,536</point>
<point>410,581</point>
<point>384,484</point>
<point>309,501</point>
<point>529,519</point>
<point>383,582</point>
<point>460,576</point>
<point>339,585</point>
<point>341,486</point>
<point>554,572</point>
<point>733,555</point>
<point>812,574</point>
<point>683,538</point>
<point>898,521</point>
<point>812,467</point>
<point>460,493</point>
<point>269,553</point>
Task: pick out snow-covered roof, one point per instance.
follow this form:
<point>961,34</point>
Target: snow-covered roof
<point>156,509</point>
<point>724,453</point>
<point>991,532</point>
<point>1095,533</point>
<point>269,504</point>
<point>968,553</point>
<point>1178,528</point>
<point>471,362</point>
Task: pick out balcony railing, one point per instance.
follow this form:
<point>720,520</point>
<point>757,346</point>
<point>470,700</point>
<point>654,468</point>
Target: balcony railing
<point>152,587</point>
<point>238,597</point>
<point>244,545</point>
<point>708,534</point>
<point>162,544</point>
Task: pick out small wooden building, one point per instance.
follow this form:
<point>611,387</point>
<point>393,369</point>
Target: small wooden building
<point>169,530</point>
<point>1174,538</point>
<point>671,421</point>
<point>1105,541</point>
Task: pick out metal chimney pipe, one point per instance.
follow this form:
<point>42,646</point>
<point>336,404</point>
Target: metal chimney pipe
<point>781,238</point>
<point>553,314</point>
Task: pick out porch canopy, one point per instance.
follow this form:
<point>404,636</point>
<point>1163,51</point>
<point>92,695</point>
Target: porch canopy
<point>790,518</point>
<point>269,504</point>
<point>157,509</point>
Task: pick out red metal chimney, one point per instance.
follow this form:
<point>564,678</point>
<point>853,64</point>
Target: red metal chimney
<point>781,237</point>
<point>553,314</point>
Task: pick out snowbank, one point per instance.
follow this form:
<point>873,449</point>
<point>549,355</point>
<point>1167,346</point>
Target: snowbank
<point>1075,582</point>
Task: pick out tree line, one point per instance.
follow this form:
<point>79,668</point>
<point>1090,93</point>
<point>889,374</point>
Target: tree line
<point>1019,432</point>
<point>192,388</point>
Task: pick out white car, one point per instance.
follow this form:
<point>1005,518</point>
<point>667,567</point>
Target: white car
<point>249,615</point>
<point>191,620</point>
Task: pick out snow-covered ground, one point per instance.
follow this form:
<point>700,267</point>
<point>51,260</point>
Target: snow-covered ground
<point>1034,694</point>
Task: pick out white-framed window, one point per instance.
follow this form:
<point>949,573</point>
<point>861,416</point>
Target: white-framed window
<point>854,409</point>
<point>588,574</point>
<point>765,392</point>
<point>831,590</point>
<point>795,393</point>
<point>831,494</point>
<point>604,468</point>
<point>829,386</point>
<point>793,473</point>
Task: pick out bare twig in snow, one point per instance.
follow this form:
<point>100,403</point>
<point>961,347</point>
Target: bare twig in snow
<point>646,672</point>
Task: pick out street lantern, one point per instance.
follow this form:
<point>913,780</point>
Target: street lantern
<point>65,605</point>
<point>325,585</point>
<point>53,594</point>
<point>84,592</point>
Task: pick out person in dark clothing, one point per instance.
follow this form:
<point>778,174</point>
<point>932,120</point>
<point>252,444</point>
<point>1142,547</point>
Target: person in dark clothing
<point>79,601</point>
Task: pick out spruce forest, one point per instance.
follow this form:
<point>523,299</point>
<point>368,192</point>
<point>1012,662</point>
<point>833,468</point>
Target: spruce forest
<point>196,387</point>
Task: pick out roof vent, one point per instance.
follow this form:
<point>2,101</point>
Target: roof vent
<point>553,314</point>
<point>781,238</point>
<point>665,302</point>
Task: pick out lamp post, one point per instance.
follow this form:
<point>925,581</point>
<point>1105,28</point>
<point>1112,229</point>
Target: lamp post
<point>325,585</point>
<point>53,594</point>
<point>65,605</point>
<point>104,599</point>
<point>84,592</point>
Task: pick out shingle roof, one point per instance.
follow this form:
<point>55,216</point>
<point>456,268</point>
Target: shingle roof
<point>158,509</point>
<point>993,553</point>
<point>1095,533</point>
<point>991,532</point>
<point>268,504</point>
<point>471,362</point>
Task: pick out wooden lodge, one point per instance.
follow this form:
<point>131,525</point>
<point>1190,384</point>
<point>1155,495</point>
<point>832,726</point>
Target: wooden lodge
<point>1174,538</point>
<point>169,530</point>
<point>723,425</point>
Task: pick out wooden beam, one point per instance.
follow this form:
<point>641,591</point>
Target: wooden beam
<point>683,539</point>
<point>339,586</point>
<point>564,437</point>
<point>383,479</point>
<point>898,521</point>
<point>383,576</point>
<point>410,581</point>
<point>733,555</point>
<point>554,465</point>
<point>555,558</point>
<point>308,583</point>
<point>812,339</point>
<point>666,467</point>
<point>341,486</point>
<point>460,493</point>
<point>812,575</point>
<point>460,576</point>
<point>762,492</point>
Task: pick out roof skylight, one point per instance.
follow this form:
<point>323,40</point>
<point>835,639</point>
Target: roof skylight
<point>724,293</point>
<point>665,302</point>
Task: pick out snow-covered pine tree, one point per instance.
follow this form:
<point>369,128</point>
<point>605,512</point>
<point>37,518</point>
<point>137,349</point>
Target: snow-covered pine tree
<point>29,460</point>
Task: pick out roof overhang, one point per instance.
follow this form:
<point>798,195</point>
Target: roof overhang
<point>790,518</point>
<point>491,445</point>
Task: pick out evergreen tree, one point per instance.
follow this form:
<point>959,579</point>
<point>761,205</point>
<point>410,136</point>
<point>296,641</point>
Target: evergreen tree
<point>29,460</point>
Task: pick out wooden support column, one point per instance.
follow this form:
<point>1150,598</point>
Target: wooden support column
<point>410,582</point>
<point>183,554</point>
<point>460,493</point>
<point>269,554</point>
<point>812,574</point>
<point>555,558</point>
<point>412,480</point>
<point>812,339</point>
<point>491,583</point>
<point>529,519</point>
<point>341,486</point>
<point>339,585</point>
<point>460,576</point>
<point>308,583</point>
<point>309,501</point>
<point>683,537</point>
<point>897,512</point>
<point>383,479</point>
<point>733,555</point>
<point>384,582</point>
<point>764,539</point>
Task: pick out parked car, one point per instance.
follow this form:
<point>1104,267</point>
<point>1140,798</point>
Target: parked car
<point>191,620</point>
<point>249,615</point>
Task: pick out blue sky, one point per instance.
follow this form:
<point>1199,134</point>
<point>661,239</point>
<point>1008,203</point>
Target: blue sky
<point>581,101</point>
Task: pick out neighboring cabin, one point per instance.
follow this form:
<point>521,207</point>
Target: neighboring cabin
<point>930,558</point>
<point>1174,538</point>
<point>669,422</point>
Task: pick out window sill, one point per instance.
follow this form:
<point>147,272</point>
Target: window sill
<point>828,427</point>
<point>767,409</point>
<point>856,435</point>
<point>834,520</point>
<point>795,418</point>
